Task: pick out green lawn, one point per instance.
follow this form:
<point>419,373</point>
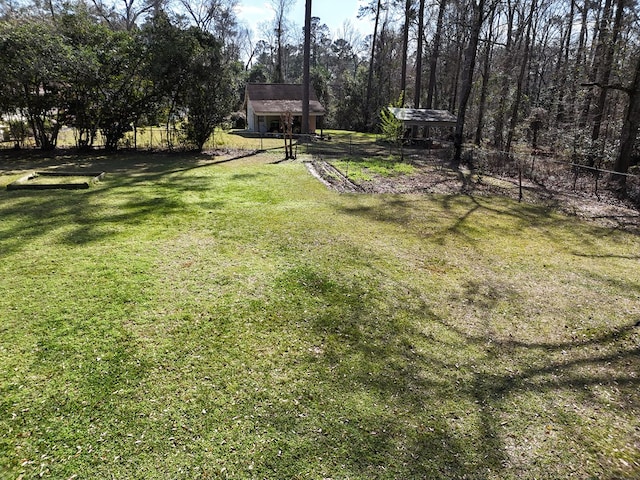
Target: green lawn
<point>186,319</point>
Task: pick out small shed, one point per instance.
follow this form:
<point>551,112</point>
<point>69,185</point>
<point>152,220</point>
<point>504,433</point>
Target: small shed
<point>266,102</point>
<point>423,117</point>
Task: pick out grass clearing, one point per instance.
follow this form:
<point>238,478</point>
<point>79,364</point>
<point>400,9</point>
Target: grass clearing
<point>191,319</point>
<point>363,169</point>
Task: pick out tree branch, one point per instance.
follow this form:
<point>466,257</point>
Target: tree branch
<point>615,86</point>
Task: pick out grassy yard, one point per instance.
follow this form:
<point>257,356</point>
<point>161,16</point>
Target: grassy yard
<point>191,319</point>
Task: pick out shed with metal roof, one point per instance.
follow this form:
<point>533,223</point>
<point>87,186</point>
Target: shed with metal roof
<point>423,117</point>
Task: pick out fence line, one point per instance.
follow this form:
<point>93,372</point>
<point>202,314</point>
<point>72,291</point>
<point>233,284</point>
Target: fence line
<point>155,138</point>
<point>558,174</point>
<point>553,173</point>
<point>542,170</point>
<point>559,162</point>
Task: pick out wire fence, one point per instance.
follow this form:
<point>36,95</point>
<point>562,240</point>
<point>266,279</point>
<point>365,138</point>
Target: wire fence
<point>155,138</point>
<point>556,173</point>
<point>545,170</point>
<point>550,171</point>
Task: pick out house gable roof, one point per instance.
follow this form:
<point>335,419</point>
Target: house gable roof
<point>276,98</point>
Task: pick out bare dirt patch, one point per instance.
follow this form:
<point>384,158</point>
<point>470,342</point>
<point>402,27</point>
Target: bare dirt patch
<point>434,176</point>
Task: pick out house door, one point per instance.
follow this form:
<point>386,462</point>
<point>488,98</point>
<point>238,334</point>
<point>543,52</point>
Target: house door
<point>262,124</point>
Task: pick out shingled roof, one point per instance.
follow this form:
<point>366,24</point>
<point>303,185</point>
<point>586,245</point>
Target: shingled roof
<point>275,98</point>
<point>423,116</point>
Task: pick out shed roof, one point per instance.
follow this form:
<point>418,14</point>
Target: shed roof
<point>276,98</point>
<point>423,116</point>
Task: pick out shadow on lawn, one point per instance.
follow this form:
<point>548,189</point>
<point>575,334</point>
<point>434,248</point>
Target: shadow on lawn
<point>373,407</point>
<point>83,372</point>
<point>444,215</point>
<point>404,393</point>
<point>72,219</point>
<point>439,414</point>
<point>141,188</point>
<point>389,388</point>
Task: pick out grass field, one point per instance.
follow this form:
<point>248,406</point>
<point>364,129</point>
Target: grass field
<point>190,317</point>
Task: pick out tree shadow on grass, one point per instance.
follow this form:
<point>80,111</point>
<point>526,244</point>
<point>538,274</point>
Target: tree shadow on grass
<point>441,216</point>
<point>371,407</point>
<point>377,407</point>
<point>398,391</point>
<point>137,189</point>
<point>75,219</point>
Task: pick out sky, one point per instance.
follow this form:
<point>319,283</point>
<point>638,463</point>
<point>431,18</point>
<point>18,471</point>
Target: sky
<point>331,12</point>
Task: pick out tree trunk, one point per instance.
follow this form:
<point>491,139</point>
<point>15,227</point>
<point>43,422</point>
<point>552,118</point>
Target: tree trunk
<point>521,76</point>
<point>417,94</point>
<point>486,72</point>
<point>367,109</point>
<point>433,63</point>
<point>280,7</point>
<point>467,77</point>
<point>405,47</point>
<point>563,66</point>
<point>599,39</point>
<point>458,65</point>
<point>305,69</point>
<point>498,138</point>
<point>579,66</point>
<point>630,128</point>
<point>607,64</point>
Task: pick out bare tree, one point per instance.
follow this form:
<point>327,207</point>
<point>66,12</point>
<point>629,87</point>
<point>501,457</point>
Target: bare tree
<point>352,37</point>
<point>487,57</point>
<point>408,14</point>
<point>562,74</point>
<point>417,95</point>
<point>280,8</point>
<point>609,40</point>
<point>203,12</point>
<point>631,125</point>
<point>467,75</point>
<point>603,17</point>
<point>246,46</point>
<point>125,14</point>
<point>510,10</point>
<point>435,53</point>
<point>366,106</point>
<point>524,59</point>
